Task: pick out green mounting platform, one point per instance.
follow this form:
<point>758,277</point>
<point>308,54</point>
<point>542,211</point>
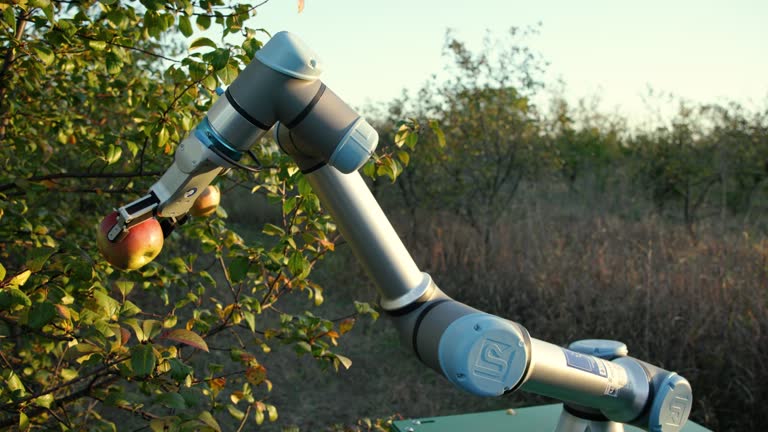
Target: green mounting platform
<point>532,419</point>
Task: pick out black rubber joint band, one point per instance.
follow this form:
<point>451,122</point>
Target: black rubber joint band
<point>421,317</point>
<point>585,415</point>
<point>305,112</point>
<point>244,113</point>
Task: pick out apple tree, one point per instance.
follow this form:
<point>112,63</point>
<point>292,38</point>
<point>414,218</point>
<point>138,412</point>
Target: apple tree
<point>94,98</point>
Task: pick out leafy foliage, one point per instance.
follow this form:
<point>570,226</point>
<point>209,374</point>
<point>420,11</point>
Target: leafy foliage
<point>94,98</point>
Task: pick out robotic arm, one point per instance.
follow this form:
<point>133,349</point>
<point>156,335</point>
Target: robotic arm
<point>280,85</point>
<point>481,353</point>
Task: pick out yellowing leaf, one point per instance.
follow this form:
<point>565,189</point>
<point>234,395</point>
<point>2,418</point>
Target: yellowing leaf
<point>272,412</point>
<point>20,279</point>
<point>202,42</point>
<point>346,325</point>
<point>187,337</point>
<point>208,419</point>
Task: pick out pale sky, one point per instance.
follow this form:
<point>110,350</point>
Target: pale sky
<point>700,50</point>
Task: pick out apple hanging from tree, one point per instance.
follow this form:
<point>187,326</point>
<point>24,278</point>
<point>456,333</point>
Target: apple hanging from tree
<point>207,202</point>
<point>142,244</point>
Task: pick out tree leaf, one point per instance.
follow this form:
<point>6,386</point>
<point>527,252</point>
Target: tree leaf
<point>234,412</point>
<point>208,419</point>
<point>151,328</point>
<point>435,126</point>
<point>346,325</point>
<point>238,268</point>
<point>250,319</point>
<point>37,257</point>
<point>23,422</point>
<point>2,272</point>
<point>171,400</point>
<point>20,279</point>
<point>273,230</point>
<point>143,360</point>
<point>345,361</point>
<point>185,26</point>
<point>44,54</point>
<point>203,22</point>
<point>41,314</point>
<point>125,287</point>
<point>113,154</point>
<point>187,337</point>
<point>202,42</point>
<point>272,412</point>
<point>404,157</point>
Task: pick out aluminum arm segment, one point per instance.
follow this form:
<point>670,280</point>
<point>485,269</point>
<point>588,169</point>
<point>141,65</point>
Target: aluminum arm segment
<point>482,353</point>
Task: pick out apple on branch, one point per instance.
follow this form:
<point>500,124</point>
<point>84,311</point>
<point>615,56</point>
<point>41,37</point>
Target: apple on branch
<point>142,244</point>
<point>207,202</point>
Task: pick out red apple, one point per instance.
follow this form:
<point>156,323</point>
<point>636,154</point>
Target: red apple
<point>142,244</point>
<point>207,202</point>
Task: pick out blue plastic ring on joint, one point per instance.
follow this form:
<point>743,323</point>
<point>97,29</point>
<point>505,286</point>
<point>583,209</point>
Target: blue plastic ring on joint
<point>208,136</point>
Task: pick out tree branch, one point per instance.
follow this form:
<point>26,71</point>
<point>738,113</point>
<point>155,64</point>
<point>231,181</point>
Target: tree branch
<point>59,176</point>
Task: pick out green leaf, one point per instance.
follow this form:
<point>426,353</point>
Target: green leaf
<point>302,347</point>
<point>250,319</point>
<point>143,360</point>
<point>203,22</point>
<point>41,314</point>
<point>171,400</point>
<point>44,401</point>
<point>299,265</point>
<point>273,230</point>
<point>402,134</point>
<point>113,154</point>
<point>251,46</point>
<point>435,126</point>
<point>369,169</point>
<point>234,412</point>
<point>37,257</point>
<point>97,45</point>
<point>202,42</point>
<point>208,419</point>
<point>165,424</point>
<point>114,63</point>
<point>45,54</point>
<point>23,422</point>
<point>238,269</point>
<point>185,26</point>
<point>228,74</point>
<point>162,136</point>
<point>109,306</point>
<point>218,58</point>
<point>404,157</point>
<point>125,287</point>
<point>151,328</point>
<point>187,337</point>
